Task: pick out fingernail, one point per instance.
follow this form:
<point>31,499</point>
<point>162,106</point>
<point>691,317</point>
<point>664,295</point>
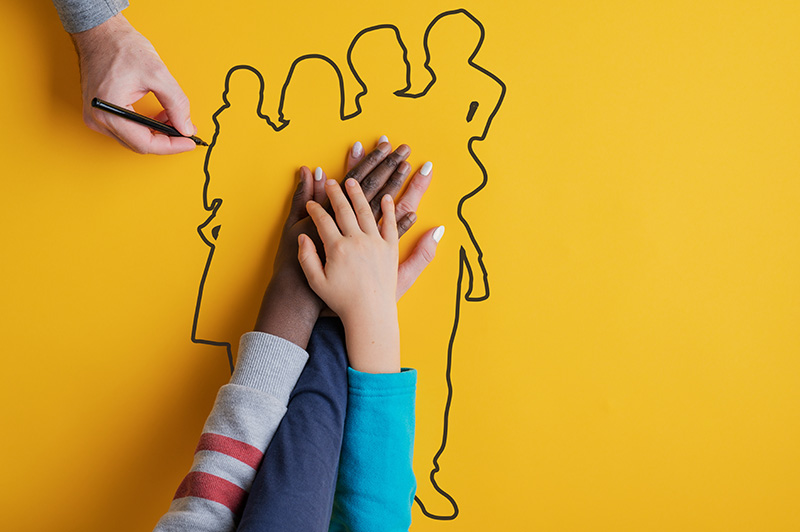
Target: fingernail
<point>412,217</point>
<point>426,170</point>
<point>318,174</point>
<point>350,182</point>
<point>383,139</point>
<point>331,182</point>
<point>403,150</point>
<point>387,198</point>
<point>188,126</point>
<point>357,149</point>
<point>438,234</point>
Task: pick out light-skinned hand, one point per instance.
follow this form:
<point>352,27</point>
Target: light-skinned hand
<point>120,66</point>
<point>359,278</point>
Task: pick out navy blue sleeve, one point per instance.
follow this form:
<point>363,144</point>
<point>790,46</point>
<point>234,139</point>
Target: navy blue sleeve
<point>294,487</point>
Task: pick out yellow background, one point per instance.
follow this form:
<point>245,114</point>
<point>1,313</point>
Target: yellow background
<point>636,366</point>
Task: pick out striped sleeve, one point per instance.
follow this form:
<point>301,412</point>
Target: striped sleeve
<point>242,422</point>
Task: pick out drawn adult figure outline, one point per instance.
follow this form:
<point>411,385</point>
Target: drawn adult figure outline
<point>213,205</point>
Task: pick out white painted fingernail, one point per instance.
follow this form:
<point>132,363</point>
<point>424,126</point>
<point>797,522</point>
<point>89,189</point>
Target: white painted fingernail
<point>438,234</point>
<point>426,168</point>
<point>383,139</point>
<point>357,149</point>
<point>318,174</point>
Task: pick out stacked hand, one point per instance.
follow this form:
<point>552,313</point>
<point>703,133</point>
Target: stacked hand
<point>359,278</point>
<point>379,173</point>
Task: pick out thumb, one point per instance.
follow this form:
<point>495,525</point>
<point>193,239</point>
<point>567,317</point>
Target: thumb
<point>310,262</point>
<point>423,254</point>
<point>174,100</point>
<point>302,194</point>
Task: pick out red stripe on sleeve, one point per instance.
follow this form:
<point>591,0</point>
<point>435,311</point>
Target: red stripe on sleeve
<point>213,488</point>
<point>234,448</point>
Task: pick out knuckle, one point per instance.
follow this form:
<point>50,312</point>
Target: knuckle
<point>338,249</point>
<point>403,226</point>
<point>427,255</point>
<point>395,182</point>
<point>369,184</point>
<point>404,206</point>
<point>392,161</point>
<point>375,206</point>
<point>373,158</point>
<point>418,186</point>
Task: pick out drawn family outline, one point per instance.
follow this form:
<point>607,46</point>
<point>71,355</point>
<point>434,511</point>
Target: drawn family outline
<point>481,286</point>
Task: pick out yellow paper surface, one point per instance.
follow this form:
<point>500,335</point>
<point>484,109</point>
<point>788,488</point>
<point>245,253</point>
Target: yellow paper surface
<point>635,365</point>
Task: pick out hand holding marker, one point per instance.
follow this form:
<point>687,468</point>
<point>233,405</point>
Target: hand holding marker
<point>155,125</point>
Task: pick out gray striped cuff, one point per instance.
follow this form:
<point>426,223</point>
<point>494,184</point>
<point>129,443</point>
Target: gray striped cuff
<point>269,363</point>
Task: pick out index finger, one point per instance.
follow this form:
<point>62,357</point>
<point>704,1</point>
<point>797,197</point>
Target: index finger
<point>411,198</point>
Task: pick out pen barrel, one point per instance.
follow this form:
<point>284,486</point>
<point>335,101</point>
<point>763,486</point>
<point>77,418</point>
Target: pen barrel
<point>135,117</point>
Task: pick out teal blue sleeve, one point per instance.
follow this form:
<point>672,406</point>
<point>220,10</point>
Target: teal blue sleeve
<point>376,485</point>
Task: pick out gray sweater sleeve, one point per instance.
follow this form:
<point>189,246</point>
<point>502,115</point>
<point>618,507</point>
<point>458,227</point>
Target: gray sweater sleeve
<point>245,416</point>
<point>82,15</point>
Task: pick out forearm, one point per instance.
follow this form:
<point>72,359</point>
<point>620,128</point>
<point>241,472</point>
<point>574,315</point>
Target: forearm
<point>293,490</point>
<point>81,15</point>
<point>242,422</point>
<point>287,312</point>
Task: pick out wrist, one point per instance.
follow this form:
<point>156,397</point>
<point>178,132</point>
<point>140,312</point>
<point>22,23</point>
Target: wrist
<point>288,311</point>
<point>373,339</point>
<point>102,33</point>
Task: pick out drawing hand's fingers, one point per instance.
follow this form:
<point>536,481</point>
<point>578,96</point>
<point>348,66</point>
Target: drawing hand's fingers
<point>302,194</point>
<point>345,218</point>
<point>354,156</point>
<point>309,261</point>
<point>174,100</point>
<point>411,198</point>
<point>405,223</point>
<point>389,225</point>
<point>162,117</point>
<point>319,185</point>
<point>377,178</point>
<point>424,252</point>
<point>141,140</point>
<point>366,220</point>
<point>392,186</point>
<point>326,227</point>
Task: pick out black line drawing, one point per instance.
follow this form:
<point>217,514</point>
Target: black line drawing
<point>212,205</point>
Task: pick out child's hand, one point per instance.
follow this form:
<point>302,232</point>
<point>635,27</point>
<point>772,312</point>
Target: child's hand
<point>360,272</point>
<point>359,278</point>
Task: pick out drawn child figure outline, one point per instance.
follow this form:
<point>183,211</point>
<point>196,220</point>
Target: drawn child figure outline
<point>244,204</point>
